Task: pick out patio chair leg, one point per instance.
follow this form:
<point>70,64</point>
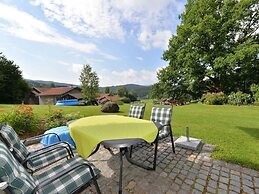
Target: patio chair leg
<point>172,141</point>
<point>131,148</point>
<point>155,155</point>
<point>94,181</point>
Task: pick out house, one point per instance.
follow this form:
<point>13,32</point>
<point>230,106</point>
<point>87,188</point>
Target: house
<point>52,95</point>
<point>103,98</point>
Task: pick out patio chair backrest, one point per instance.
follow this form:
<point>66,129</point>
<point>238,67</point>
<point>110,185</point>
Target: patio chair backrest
<point>163,116</point>
<point>13,142</point>
<point>137,111</point>
<point>12,172</point>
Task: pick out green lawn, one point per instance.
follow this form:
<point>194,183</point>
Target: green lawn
<point>234,130</point>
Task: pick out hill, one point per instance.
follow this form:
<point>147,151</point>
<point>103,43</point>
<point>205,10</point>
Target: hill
<point>142,91</point>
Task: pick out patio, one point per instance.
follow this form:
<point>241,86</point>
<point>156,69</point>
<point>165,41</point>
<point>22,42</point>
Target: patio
<point>184,172</point>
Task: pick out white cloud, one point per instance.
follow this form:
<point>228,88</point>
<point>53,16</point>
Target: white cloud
<point>77,68</point>
<point>143,77</point>
<point>139,58</point>
<point>25,26</point>
<point>150,21</point>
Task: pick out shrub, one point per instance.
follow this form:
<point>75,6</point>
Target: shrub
<point>214,98</point>
<point>239,98</point>
<point>57,118</point>
<point>255,91</point>
<point>125,100</point>
<point>110,107</point>
<point>21,118</point>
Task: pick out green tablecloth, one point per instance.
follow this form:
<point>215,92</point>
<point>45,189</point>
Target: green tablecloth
<point>88,132</point>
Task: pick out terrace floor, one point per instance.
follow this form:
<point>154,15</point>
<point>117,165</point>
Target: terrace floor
<point>183,172</point>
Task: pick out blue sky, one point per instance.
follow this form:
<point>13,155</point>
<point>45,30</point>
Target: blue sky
<point>122,40</point>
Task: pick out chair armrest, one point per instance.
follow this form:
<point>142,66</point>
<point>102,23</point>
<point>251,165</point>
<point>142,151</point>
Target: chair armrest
<point>160,125</point>
<point>54,145</point>
<point>39,136</point>
<point>3,186</point>
<point>69,151</point>
<point>48,181</point>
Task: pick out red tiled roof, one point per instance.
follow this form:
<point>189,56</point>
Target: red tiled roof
<point>54,91</point>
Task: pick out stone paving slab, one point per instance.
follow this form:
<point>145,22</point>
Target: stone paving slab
<point>185,171</point>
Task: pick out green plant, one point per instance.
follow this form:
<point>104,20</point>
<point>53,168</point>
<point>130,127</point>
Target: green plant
<point>21,118</point>
<point>214,98</point>
<point>125,100</point>
<point>239,98</point>
<point>255,91</point>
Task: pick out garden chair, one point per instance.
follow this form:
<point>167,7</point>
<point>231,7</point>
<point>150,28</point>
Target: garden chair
<point>161,116</point>
<point>137,110</point>
<point>70,176</point>
<point>37,159</point>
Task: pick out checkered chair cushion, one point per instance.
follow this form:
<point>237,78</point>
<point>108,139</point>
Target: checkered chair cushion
<point>38,162</point>
<point>14,143</point>
<point>137,111</point>
<point>69,182</point>
<point>163,116</point>
<point>12,172</point>
<point>21,153</point>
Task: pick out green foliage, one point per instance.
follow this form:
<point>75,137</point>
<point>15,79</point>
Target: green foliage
<point>255,91</point>
<point>21,118</point>
<point>125,100</point>
<point>214,98</point>
<point>57,118</point>
<point>123,91</point>
<point>13,87</point>
<point>239,98</point>
<point>215,49</point>
<point>156,91</point>
<point>107,90</point>
<point>132,96</point>
<point>89,83</point>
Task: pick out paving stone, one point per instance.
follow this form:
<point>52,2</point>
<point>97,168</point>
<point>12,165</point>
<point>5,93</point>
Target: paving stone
<point>211,189</point>
<point>234,188</point>
<point>223,186</point>
<point>247,183</point>
<point>222,191</point>
<point>199,187</point>
<point>248,190</point>
<point>212,184</point>
<point>201,181</point>
<point>223,180</point>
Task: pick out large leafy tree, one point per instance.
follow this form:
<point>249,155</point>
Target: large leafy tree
<point>89,83</point>
<point>13,87</point>
<point>216,48</point>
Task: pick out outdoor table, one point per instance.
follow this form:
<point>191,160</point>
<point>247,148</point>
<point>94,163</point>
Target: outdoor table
<point>113,131</point>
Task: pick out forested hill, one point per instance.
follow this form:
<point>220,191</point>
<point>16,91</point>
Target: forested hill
<point>141,91</point>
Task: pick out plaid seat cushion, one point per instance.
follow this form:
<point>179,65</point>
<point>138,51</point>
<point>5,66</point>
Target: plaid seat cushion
<point>136,111</point>
<point>69,182</point>
<point>14,143</point>
<point>163,116</point>
<point>12,172</point>
<point>38,162</point>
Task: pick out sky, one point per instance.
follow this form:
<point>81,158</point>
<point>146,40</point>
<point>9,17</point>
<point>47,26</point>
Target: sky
<point>122,40</point>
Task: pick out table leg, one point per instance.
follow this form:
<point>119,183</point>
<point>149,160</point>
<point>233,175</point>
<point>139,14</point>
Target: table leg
<point>121,166</point>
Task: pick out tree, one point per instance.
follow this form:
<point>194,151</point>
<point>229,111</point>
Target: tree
<point>13,87</point>
<point>89,83</point>
<point>123,91</point>
<point>215,49</point>
<point>107,90</point>
<point>156,91</point>
<point>132,95</point>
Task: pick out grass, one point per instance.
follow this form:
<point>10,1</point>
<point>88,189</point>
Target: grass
<point>233,129</point>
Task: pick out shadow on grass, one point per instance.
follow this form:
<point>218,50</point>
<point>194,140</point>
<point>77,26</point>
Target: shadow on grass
<point>254,132</point>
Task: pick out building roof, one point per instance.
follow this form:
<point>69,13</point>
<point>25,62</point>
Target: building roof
<point>54,91</point>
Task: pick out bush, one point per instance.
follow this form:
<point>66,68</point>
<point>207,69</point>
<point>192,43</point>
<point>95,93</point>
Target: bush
<point>214,98</point>
<point>125,100</point>
<point>255,91</point>
<point>239,98</point>
<point>57,118</point>
<point>110,107</point>
<point>22,119</point>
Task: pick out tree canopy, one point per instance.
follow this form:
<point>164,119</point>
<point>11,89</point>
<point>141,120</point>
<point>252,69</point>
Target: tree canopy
<point>13,87</point>
<point>89,83</point>
<point>216,48</point>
